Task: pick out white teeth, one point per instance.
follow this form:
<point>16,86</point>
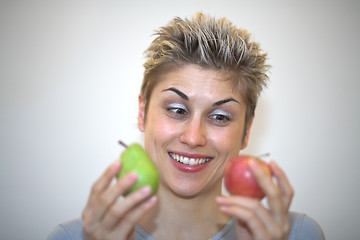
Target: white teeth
<point>188,161</point>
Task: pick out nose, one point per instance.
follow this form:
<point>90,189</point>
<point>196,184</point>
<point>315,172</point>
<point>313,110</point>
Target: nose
<point>193,133</point>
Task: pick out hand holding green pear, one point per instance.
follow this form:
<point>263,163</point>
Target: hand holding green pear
<point>135,159</point>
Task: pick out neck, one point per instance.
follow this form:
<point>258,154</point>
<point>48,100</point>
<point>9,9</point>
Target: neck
<point>178,217</point>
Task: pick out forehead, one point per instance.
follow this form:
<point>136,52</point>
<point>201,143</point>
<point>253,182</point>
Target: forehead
<point>194,78</point>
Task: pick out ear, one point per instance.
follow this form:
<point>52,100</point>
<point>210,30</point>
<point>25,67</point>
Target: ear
<point>141,113</point>
<point>247,134</point>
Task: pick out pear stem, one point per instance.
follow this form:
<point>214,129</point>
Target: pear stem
<point>123,144</point>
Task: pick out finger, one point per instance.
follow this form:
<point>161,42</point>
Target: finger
<point>285,187</point>
<point>246,216</point>
<point>107,199</point>
<point>250,208</point>
<point>246,203</point>
<point>271,190</point>
<point>126,226</point>
<point>121,208</point>
<point>105,179</point>
<point>100,185</point>
<point>90,223</point>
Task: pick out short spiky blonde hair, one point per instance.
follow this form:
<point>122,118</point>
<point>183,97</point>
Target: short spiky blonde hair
<point>211,43</point>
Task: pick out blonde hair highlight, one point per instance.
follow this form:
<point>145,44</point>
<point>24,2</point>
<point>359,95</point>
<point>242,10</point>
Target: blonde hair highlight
<point>210,43</point>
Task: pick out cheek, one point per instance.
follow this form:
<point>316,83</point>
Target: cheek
<point>161,127</point>
<point>159,132</point>
<point>227,141</point>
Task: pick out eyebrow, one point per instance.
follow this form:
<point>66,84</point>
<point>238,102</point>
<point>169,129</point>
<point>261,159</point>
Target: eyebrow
<point>218,103</point>
<point>185,97</point>
<point>178,92</point>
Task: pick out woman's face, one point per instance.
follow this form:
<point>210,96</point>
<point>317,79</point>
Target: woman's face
<point>194,124</point>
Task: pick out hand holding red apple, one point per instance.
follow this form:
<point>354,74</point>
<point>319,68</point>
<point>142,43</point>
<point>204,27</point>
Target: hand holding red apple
<point>238,178</point>
<point>248,179</point>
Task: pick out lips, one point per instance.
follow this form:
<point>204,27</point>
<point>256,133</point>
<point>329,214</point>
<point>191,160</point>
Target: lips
<point>189,162</point>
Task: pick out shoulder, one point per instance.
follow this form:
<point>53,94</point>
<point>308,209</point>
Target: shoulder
<point>71,230</point>
<point>304,227</point>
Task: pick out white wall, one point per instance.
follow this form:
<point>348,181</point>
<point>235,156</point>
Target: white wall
<point>71,72</point>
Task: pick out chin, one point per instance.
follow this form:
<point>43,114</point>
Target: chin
<point>189,189</point>
<point>185,193</point>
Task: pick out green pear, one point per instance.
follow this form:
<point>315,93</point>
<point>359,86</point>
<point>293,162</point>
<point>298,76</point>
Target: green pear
<point>135,159</point>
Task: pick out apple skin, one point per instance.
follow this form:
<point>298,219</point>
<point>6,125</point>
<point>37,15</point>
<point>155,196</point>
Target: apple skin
<point>239,179</point>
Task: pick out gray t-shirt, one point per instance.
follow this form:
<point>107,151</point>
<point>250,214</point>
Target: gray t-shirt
<point>302,227</point>
<point>227,232</point>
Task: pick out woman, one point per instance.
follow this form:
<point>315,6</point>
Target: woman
<point>202,80</point>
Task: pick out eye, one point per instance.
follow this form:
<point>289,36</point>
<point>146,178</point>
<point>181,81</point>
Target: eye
<point>220,117</point>
<point>176,110</point>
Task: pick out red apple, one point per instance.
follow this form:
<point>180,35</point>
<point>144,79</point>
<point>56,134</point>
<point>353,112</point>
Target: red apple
<point>239,179</point>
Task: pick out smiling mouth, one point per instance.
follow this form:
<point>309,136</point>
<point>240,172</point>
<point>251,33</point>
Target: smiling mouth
<point>187,160</point>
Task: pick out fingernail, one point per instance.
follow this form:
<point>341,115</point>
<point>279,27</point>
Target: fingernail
<point>253,163</point>
<point>274,167</point>
<point>224,207</point>
<point>145,190</point>
<point>272,162</point>
<point>115,164</point>
<point>131,176</point>
<point>220,199</point>
<point>151,200</point>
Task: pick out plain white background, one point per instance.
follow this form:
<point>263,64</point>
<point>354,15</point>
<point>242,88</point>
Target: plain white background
<point>70,76</point>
